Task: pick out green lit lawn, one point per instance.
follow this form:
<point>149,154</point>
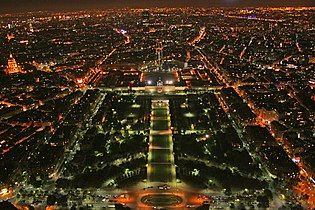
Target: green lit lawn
<point>161,155</point>
<point>160,112</point>
<point>161,173</point>
<point>160,125</point>
<point>161,141</point>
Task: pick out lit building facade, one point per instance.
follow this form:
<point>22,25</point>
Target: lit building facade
<point>12,66</point>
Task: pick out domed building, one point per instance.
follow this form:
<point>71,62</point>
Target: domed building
<point>12,66</point>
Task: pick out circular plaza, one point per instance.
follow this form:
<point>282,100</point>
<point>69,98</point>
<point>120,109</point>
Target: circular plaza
<point>161,200</point>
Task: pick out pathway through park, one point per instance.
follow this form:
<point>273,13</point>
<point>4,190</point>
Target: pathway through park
<point>161,167</point>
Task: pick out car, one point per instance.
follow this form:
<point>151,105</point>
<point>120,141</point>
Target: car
<point>157,207</point>
<point>164,187</point>
<point>161,187</point>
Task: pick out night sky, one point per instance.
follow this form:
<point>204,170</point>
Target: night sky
<point>33,5</point>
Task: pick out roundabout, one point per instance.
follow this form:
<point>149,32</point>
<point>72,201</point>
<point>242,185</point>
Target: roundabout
<point>162,200</point>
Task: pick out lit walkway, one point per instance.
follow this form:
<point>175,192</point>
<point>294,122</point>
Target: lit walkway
<point>161,167</point>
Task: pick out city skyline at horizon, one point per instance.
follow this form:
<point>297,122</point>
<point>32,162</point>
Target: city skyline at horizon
<point>72,5</point>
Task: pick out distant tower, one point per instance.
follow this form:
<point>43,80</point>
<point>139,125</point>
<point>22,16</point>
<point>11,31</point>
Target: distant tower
<point>31,28</point>
<point>159,83</point>
<point>10,36</point>
<point>12,67</point>
<point>146,14</point>
<point>159,54</point>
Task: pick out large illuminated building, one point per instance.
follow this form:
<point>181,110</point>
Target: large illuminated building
<point>12,66</point>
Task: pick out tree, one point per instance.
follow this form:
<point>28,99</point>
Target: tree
<point>7,206</point>
<point>268,193</point>
<point>228,191</point>
<point>203,207</point>
<point>121,207</point>
<point>263,201</point>
<point>241,207</point>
